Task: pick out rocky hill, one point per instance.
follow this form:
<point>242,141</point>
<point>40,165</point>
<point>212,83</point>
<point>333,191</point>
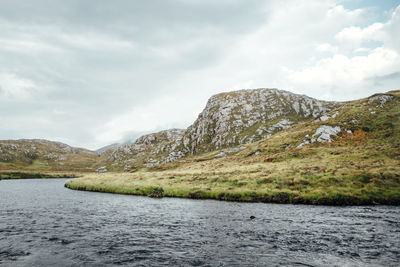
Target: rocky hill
<point>228,120</point>
<point>45,155</point>
<point>246,116</point>
<point>148,151</point>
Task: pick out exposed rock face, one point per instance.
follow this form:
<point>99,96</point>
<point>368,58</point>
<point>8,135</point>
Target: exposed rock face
<point>380,100</point>
<point>323,134</point>
<point>246,116</point>
<point>101,169</point>
<point>326,117</point>
<point>149,150</point>
<point>228,120</point>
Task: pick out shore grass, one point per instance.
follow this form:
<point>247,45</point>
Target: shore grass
<point>322,174</point>
<point>8,175</point>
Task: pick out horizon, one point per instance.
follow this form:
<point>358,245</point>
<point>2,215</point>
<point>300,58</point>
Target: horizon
<point>90,75</point>
<point>126,142</point>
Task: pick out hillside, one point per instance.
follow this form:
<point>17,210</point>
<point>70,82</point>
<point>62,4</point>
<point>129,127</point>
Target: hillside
<point>228,120</point>
<point>147,151</point>
<point>342,153</point>
<point>246,116</point>
<point>43,155</point>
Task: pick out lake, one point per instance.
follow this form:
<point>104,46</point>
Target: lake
<point>42,223</point>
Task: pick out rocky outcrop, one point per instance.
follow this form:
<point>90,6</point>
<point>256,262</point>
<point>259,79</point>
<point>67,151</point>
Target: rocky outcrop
<point>323,134</point>
<point>246,116</point>
<point>380,100</point>
<point>149,150</point>
<point>228,120</point>
<point>101,169</point>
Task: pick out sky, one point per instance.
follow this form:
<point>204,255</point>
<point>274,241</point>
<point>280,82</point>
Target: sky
<point>93,73</point>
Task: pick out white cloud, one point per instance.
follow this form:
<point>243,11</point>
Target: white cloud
<point>326,48</point>
<point>385,33</point>
<point>341,69</point>
<point>93,41</point>
<point>160,114</point>
<point>349,70</point>
<point>16,88</point>
<point>354,36</point>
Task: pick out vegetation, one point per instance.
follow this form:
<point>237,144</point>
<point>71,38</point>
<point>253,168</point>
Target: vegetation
<point>6,175</point>
<point>44,156</point>
<point>320,175</point>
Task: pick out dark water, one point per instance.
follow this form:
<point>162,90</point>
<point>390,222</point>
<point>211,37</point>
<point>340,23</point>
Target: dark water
<point>42,223</point>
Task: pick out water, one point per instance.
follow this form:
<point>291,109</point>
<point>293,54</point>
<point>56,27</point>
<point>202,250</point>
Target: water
<point>42,223</point>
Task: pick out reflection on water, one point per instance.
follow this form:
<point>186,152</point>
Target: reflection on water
<point>42,223</point>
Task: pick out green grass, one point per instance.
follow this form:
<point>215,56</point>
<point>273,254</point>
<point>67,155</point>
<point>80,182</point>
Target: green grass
<point>317,179</point>
<point>329,174</point>
<point>44,156</point>
<point>34,175</point>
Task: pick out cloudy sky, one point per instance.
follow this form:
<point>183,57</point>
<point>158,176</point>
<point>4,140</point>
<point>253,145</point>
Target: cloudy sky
<point>91,73</point>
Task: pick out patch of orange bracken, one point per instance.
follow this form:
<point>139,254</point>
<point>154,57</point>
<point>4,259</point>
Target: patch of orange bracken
<point>357,138</point>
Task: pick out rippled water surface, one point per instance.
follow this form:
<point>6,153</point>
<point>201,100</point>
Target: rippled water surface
<point>42,223</point>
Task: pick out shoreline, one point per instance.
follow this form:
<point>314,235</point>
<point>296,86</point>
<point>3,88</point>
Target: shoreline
<point>278,197</point>
<point>19,175</point>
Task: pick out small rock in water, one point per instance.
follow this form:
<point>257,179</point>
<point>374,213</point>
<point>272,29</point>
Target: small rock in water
<point>252,217</point>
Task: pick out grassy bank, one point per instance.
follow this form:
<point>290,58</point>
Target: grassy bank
<point>325,192</point>
<point>7,175</point>
<point>328,174</point>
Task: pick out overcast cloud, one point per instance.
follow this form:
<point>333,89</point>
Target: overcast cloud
<point>92,73</point>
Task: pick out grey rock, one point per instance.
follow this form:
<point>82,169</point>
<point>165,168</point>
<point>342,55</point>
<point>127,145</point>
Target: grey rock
<point>101,169</point>
<point>229,114</point>
<point>324,133</point>
<point>221,155</point>
<point>380,100</point>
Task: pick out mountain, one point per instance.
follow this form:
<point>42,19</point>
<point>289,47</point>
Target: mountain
<point>107,147</point>
<point>42,155</point>
<point>246,116</point>
<point>228,120</point>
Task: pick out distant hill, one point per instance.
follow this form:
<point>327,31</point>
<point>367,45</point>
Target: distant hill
<point>147,151</point>
<point>44,155</point>
<point>105,148</point>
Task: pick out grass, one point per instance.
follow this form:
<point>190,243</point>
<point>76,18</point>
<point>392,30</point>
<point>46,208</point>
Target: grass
<point>324,174</point>
<point>44,156</point>
<point>7,175</point>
